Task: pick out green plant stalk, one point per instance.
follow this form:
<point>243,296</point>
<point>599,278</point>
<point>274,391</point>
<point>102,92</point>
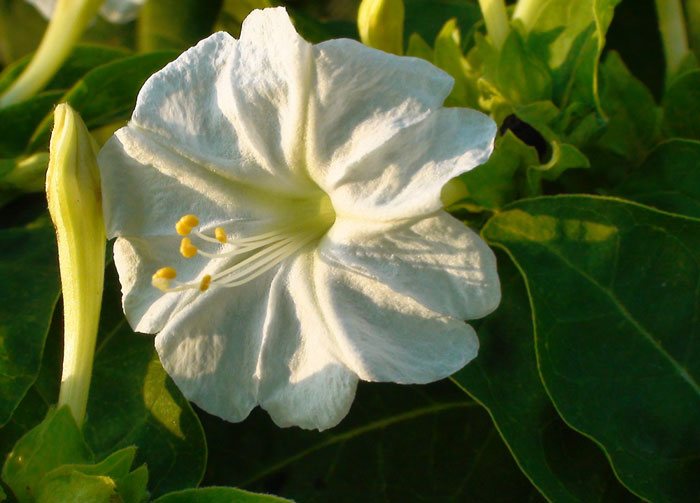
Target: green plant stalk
<point>67,24</point>
<point>73,192</point>
<point>674,36</point>
<point>496,19</point>
<point>527,12</point>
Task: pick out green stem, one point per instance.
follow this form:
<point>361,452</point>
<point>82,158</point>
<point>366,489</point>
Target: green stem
<point>527,12</point>
<point>67,24</point>
<point>673,34</point>
<point>496,19</point>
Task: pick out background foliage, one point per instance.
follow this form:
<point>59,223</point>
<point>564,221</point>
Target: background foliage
<point>587,383</point>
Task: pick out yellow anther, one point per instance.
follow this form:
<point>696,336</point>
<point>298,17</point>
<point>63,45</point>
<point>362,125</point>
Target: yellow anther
<point>186,223</point>
<point>187,249</point>
<point>204,284</point>
<point>220,235</point>
<point>162,277</point>
<point>166,273</point>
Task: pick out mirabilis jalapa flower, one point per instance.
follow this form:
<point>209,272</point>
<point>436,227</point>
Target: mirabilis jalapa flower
<point>279,225</point>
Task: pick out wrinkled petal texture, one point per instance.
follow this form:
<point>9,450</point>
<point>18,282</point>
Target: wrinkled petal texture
<point>242,133</point>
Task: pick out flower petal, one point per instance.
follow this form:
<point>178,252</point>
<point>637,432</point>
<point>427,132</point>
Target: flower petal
<point>437,261</point>
<point>211,347</point>
<point>303,383</point>
<point>190,106</point>
<point>386,336</point>
<point>161,185</point>
<point>265,93</point>
<point>404,177</point>
<point>362,98</point>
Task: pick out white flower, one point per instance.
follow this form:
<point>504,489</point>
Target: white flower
<point>320,251</point>
<point>114,11</point>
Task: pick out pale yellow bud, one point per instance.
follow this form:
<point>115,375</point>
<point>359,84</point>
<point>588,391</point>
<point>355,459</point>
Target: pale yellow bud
<point>380,23</point>
<point>74,196</point>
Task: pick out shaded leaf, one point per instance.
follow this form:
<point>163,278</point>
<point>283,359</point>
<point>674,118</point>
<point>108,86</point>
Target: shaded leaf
<point>28,296</point>
<point>399,443</point>
<point>633,116</point>
<point>218,495</point>
<point>681,106</point>
<point>18,121</point>
<point>669,179</point>
<point>616,308</point>
<point>175,24</point>
<point>564,465</point>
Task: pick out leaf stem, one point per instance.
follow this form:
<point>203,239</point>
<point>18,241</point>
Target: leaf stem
<point>70,17</point>
<point>496,19</point>
<point>673,34</point>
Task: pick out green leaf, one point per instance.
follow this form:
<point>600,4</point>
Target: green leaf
<point>404,443</point>
<point>175,24</point>
<point>77,488</point>
<point>616,309</point>
<point>28,296</point>
<point>633,116</point>
<point>110,480</point>
<point>669,179</point>
<point>134,402</point>
<point>82,59</point>
<point>21,29</point>
<point>107,93</point>
<point>519,74</point>
<point>18,121</point>
<point>494,183</point>
<point>448,56</point>
<point>580,29</point>
<point>564,157</point>
<point>564,465</point>
<point>54,442</point>
<point>427,17</point>
<point>218,495</point>
<point>681,106</point>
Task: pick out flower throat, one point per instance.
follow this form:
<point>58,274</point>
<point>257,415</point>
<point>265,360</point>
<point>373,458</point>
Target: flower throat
<point>263,251</point>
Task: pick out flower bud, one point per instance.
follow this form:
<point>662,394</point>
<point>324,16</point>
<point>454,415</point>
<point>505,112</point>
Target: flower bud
<point>73,192</point>
<point>380,23</point>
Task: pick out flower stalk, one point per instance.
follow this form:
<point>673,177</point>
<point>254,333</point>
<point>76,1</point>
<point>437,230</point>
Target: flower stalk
<point>67,24</point>
<point>496,19</point>
<point>674,36</point>
<point>73,192</point>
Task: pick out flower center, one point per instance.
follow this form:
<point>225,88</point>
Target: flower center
<point>259,253</point>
